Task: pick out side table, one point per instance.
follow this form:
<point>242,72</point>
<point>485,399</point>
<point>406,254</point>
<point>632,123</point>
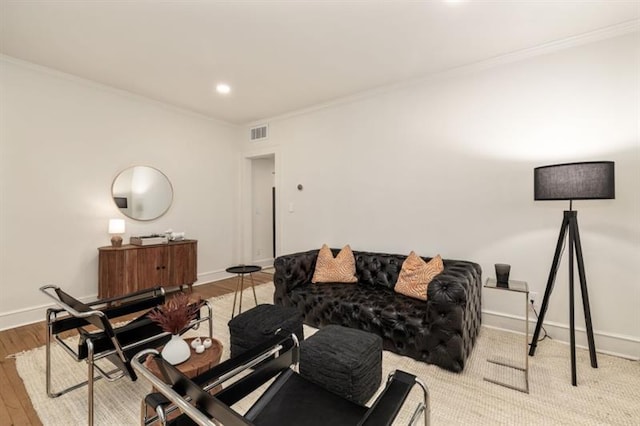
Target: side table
<point>241,271</point>
<point>518,287</point>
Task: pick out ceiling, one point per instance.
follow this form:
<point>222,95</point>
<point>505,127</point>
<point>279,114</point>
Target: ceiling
<point>281,56</point>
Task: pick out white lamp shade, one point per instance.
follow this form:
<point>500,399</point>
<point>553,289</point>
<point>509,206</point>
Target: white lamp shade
<point>116,226</point>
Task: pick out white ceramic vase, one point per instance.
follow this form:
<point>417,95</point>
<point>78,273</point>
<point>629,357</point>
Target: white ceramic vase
<point>176,350</point>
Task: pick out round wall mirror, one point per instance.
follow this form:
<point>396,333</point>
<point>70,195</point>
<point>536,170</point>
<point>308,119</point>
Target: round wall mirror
<point>142,192</point>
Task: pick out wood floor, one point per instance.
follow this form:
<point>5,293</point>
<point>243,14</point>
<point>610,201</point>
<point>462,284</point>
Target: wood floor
<point>15,405</point>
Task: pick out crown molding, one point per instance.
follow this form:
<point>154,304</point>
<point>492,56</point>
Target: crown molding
<point>613,31</point>
<point>605,33</point>
<point>113,90</point>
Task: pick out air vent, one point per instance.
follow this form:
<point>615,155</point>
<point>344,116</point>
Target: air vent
<point>259,133</point>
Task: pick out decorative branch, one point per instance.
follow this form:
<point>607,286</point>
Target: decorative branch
<point>176,313</point>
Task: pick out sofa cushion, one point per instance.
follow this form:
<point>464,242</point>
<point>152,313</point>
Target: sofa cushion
<point>341,269</point>
<point>416,274</point>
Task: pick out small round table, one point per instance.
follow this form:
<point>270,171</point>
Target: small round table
<point>240,271</point>
<point>197,364</point>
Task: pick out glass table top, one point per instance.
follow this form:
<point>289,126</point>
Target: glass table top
<point>512,285</point>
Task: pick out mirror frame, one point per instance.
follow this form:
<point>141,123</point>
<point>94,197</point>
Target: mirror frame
<point>113,197</point>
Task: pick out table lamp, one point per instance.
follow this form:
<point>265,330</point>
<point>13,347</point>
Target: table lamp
<point>116,227</point>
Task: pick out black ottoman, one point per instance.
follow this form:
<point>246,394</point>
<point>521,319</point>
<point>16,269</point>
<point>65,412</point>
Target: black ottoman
<point>258,324</point>
<point>343,360</point>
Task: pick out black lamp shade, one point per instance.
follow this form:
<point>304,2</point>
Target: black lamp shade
<point>574,181</point>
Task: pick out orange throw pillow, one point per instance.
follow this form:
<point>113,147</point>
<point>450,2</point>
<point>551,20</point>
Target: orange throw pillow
<point>416,274</point>
<point>341,269</point>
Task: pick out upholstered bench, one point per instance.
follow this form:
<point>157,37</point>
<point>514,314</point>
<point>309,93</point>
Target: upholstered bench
<point>260,323</point>
<point>343,360</point>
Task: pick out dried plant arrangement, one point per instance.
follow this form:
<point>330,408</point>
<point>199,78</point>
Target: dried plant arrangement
<point>176,313</point>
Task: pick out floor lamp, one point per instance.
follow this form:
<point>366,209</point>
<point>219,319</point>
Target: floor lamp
<point>573,181</point>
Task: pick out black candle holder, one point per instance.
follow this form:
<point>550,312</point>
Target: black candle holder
<point>502,274</point>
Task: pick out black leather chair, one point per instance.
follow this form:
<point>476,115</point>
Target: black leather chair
<point>289,400</point>
<point>106,340</point>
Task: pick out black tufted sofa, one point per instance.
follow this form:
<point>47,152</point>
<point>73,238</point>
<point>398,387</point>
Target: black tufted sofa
<point>440,331</point>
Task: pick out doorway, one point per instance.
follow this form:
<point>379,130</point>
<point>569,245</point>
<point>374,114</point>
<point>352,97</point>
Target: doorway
<point>263,210</point>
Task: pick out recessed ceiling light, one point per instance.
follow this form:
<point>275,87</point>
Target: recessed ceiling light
<point>223,88</point>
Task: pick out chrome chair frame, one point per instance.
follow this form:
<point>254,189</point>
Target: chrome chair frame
<point>272,359</point>
<point>210,379</point>
<point>98,315</point>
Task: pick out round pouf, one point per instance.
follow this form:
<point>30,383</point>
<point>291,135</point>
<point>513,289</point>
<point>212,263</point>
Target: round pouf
<point>343,360</point>
<point>258,324</point>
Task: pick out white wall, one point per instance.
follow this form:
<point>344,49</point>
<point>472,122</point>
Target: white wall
<point>62,142</point>
<point>263,180</point>
<point>443,167</point>
<point>447,167</point>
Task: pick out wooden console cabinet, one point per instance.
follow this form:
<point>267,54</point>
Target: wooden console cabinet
<point>126,269</point>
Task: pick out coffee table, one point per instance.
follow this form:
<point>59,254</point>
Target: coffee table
<point>197,364</point>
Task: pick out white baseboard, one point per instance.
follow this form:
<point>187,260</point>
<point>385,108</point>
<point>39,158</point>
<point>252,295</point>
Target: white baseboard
<point>213,276</point>
<point>30,315</point>
<point>265,263</point>
<point>607,343</point>
<point>33,314</point>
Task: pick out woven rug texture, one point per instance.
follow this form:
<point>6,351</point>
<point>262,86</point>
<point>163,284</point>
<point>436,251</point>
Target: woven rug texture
<point>608,395</point>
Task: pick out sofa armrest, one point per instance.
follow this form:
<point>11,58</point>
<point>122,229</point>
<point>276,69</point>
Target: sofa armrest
<point>443,291</point>
<point>455,284</point>
<point>454,311</point>
<point>294,269</point>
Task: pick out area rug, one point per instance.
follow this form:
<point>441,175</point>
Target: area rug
<point>609,394</point>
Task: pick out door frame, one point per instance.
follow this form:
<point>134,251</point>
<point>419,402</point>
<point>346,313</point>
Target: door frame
<point>246,204</point>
